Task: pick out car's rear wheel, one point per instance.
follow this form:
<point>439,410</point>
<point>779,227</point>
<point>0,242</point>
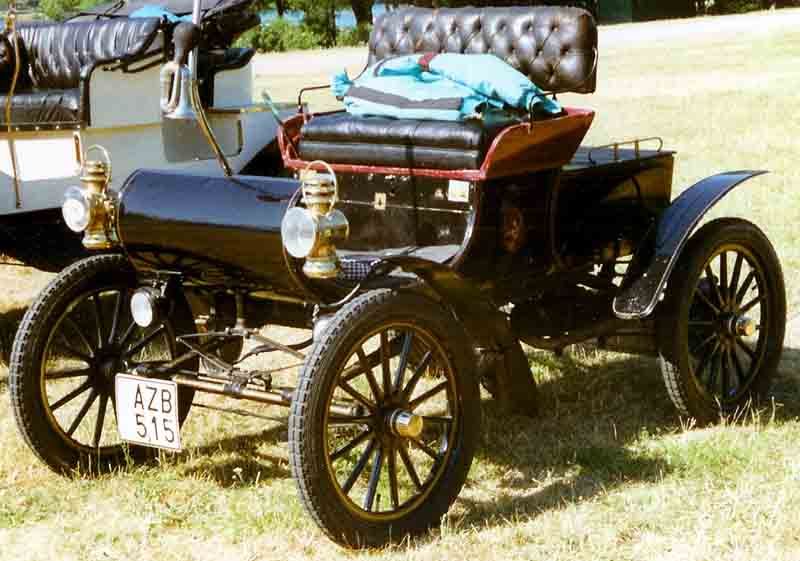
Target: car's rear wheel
<point>722,321</point>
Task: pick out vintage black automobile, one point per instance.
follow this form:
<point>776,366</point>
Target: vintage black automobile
<point>420,255</point>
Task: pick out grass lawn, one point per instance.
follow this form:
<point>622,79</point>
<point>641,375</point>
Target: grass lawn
<point>608,471</point>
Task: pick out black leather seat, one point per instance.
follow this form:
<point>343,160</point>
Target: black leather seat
<point>554,46</point>
<point>53,107</point>
<point>57,63</point>
<point>345,139</point>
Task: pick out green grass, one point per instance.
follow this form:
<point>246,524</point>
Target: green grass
<point>607,472</point>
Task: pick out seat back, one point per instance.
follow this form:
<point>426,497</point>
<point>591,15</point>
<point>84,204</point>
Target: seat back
<point>58,52</point>
<point>556,47</point>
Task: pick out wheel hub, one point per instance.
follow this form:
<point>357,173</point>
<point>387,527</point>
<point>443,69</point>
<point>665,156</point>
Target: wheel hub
<point>405,424</point>
<point>743,326</point>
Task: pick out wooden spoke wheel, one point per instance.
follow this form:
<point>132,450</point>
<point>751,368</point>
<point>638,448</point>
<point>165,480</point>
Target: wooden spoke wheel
<point>385,420</point>
<point>72,342</point>
<point>724,319</point>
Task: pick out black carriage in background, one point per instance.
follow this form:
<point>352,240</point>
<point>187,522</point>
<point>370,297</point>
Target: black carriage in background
<point>419,255</point>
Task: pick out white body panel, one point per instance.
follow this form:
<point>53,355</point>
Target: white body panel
<point>126,121</point>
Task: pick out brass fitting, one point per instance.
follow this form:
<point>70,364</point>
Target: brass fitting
<point>319,196</point>
<point>100,233</point>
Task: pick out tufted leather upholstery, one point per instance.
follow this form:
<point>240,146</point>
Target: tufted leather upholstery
<point>59,52</point>
<point>554,46</point>
<point>54,107</point>
<point>60,58</point>
<point>346,139</point>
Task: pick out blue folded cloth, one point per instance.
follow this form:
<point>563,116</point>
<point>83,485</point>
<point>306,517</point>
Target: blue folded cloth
<point>154,11</point>
<point>448,87</point>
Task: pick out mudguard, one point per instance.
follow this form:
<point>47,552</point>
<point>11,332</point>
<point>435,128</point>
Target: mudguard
<point>499,351</point>
<point>674,228</point>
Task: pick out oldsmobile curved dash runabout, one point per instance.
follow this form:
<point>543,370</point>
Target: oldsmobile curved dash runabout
<point>419,255</point>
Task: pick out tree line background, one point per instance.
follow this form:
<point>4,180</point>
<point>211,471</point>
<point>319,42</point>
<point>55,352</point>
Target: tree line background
<point>304,24</point>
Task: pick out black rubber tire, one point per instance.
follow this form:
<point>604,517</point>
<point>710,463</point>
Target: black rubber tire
<point>319,493</point>
<point>685,389</point>
<point>26,386</point>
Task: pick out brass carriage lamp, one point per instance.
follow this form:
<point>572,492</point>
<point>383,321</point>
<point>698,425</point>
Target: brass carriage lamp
<point>90,209</point>
<point>310,233</point>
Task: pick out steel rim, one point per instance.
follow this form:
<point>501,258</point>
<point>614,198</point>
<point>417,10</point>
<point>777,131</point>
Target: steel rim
<point>729,299</point>
<point>94,339</point>
<point>379,474</point>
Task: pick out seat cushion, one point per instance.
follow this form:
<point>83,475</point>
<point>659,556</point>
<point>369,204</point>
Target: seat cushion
<point>59,52</point>
<point>379,141</point>
<point>51,107</point>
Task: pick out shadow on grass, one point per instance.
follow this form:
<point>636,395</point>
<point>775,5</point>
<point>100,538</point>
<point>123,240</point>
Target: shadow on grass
<point>584,442</point>
<point>591,411</point>
<point>243,464</point>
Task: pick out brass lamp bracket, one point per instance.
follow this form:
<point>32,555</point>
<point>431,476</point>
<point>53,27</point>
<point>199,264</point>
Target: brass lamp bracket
<point>96,176</point>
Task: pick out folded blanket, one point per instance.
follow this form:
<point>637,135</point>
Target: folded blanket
<point>447,87</point>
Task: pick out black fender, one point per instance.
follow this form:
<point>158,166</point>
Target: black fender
<point>672,231</point>
<point>486,327</point>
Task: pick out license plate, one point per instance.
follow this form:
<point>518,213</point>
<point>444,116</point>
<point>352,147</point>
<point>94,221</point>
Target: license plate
<point>147,411</point>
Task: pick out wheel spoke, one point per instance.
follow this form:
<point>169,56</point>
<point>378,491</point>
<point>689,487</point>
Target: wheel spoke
<point>101,417</point>
<point>82,413</point>
<point>387,379</point>
<point>438,420</point>
<point>144,341</point>
<point>412,472</point>
<point>347,448</point>
<point>393,487</point>
<point>706,300</point>
<point>128,334</point>
<point>752,304</point>
<point>713,371</point>
<point>401,368</point>
<point>750,352</point>
<point>705,342</point>
<point>360,465</point>
<point>374,479</point>
<point>413,404</point>
<point>74,326</point>
<point>71,395</point>
<point>418,372</point>
<point>704,362</point>
<point>748,280</point>
<point>367,371</point>
<point>358,396</point>
<point>723,275</point>
<point>118,304</point>
<point>425,448</point>
<point>68,373</point>
<point>739,370</point>
<point>70,350</point>
<point>725,379</point>
<point>714,284</point>
<point>354,420</point>
<point>98,318</point>
<point>737,271</point>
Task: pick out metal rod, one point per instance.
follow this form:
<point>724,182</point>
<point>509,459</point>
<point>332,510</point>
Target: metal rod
<point>196,103</point>
<point>11,31</point>
<point>271,397</point>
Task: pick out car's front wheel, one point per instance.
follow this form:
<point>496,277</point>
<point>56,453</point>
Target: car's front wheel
<point>76,336</point>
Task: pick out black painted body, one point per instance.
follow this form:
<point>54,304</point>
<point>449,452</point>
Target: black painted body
<point>594,233</point>
<point>213,230</point>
